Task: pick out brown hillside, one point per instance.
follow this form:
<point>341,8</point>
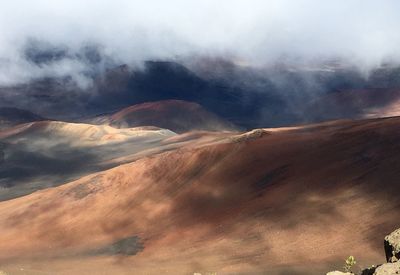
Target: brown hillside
<point>271,201</point>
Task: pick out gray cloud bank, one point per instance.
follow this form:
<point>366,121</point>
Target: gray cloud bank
<point>254,32</point>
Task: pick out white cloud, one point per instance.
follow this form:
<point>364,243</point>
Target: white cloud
<point>364,32</point>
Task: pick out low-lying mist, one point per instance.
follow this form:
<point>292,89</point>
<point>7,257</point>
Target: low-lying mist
<point>258,33</point>
<point>254,63</point>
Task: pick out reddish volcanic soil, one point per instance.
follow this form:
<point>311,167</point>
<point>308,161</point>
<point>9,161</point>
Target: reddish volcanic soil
<point>276,201</point>
<point>176,115</point>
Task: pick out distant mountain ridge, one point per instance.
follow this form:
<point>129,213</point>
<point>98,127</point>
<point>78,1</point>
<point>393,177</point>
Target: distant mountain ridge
<point>245,96</point>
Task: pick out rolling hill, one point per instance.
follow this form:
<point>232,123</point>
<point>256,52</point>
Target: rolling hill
<point>177,115</point>
<point>47,153</point>
<point>275,201</point>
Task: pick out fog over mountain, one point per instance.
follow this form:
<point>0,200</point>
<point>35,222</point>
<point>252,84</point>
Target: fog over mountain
<point>256,33</point>
<point>254,63</point>
<point>199,136</point>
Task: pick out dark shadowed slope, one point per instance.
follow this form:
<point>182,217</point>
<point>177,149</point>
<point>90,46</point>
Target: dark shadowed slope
<point>246,96</point>
<point>48,153</point>
<point>42,154</point>
<point>163,80</point>
<point>176,115</point>
<point>273,201</point>
<point>355,103</point>
<point>13,116</point>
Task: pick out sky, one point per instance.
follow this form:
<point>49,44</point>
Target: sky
<point>256,32</point>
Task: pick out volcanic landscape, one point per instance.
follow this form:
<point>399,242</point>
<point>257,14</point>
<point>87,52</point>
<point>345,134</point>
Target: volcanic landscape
<point>105,198</point>
<point>193,138</point>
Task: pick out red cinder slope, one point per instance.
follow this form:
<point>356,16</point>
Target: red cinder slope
<point>274,201</point>
<point>176,115</point>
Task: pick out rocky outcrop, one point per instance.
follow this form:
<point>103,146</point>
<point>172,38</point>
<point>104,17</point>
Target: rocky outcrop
<point>253,134</point>
<point>392,246</point>
<point>388,269</point>
<point>392,251</point>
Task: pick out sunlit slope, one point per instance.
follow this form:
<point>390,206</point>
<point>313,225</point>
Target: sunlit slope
<point>40,154</point>
<point>268,201</point>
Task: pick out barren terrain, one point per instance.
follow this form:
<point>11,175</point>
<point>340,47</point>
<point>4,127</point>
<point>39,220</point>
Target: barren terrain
<point>271,201</point>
